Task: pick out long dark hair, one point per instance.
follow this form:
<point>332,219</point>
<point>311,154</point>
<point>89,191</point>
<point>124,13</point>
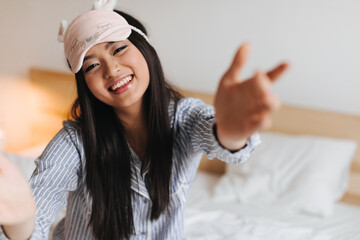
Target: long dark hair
<point>108,169</point>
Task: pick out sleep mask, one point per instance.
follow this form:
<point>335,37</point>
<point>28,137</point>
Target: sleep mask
<point>90,28</point>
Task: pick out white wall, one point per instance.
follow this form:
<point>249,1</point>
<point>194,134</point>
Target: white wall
<point>196,40</point>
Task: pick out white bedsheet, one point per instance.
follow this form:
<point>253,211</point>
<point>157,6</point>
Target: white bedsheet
<point>207,217</point>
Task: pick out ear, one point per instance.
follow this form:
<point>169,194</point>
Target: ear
<point>105,4</point>
<point>62,29</point>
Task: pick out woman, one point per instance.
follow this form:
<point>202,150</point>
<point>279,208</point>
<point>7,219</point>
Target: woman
<point>124,165</point>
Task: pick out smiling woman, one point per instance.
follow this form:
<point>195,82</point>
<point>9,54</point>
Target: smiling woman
<point>118,76</point>
<point>125,163</point>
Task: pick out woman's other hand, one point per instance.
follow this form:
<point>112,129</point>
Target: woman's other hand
<point>244,107</point>
<point>17,205</point>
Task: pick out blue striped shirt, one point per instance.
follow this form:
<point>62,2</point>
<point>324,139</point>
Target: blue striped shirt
<point>59,179</point>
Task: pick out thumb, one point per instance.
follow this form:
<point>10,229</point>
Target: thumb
<point>238,63</point>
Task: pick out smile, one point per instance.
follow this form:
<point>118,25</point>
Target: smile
<point>121,83</point>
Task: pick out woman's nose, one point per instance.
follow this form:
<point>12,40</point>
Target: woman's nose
<point>112,69</point>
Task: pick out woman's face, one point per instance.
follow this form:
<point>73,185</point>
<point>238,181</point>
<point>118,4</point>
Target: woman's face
<point>117,74</point>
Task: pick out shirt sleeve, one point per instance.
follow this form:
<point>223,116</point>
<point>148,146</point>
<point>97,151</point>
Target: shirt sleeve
<point>57,172</point>
<point>196,119</point>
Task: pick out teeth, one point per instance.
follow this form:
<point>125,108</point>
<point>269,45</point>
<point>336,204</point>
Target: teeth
<point>121,83</point>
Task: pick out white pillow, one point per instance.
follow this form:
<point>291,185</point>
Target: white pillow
<point>302,173</point>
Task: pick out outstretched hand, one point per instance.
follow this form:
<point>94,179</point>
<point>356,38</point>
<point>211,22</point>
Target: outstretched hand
<point>16,201</point>
<point>244,107</point>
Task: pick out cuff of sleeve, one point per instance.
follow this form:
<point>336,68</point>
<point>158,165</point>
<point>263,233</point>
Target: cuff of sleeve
<point>234,157</point>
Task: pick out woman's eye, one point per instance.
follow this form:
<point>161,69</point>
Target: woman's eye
<point>90,67</point>
<point>119,49</point>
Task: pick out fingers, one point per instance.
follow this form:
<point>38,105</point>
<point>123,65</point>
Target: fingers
<point>265,102</point>
<point>240,58</point>
<point>266,97</point>
<point>238,63</point>
<point>275,73</point>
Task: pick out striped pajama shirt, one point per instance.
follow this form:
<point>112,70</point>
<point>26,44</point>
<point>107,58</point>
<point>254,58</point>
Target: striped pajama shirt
<point>59,179</point>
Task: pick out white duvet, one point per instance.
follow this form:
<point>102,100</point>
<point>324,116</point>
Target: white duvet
<point>217,224</point>
<point>209,218</point>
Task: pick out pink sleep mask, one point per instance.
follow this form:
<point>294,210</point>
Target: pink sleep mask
<point>91,28</point>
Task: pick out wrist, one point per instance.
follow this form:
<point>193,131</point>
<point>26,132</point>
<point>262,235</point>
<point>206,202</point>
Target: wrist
<point>232,145</point>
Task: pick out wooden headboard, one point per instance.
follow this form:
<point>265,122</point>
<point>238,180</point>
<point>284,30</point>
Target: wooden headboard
<point>56,91</point>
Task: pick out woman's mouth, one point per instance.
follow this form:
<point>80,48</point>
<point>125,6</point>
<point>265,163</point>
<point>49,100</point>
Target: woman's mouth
<point>122,85</point>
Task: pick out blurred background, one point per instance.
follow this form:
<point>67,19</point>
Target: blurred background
<point>196,40</point>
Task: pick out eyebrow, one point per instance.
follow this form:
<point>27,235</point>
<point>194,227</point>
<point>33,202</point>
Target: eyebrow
<point>108,45</point>
<point>92,55</point>
<point>88,57</point>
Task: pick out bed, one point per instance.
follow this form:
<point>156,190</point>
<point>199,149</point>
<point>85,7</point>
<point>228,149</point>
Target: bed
<point>311,189</point>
